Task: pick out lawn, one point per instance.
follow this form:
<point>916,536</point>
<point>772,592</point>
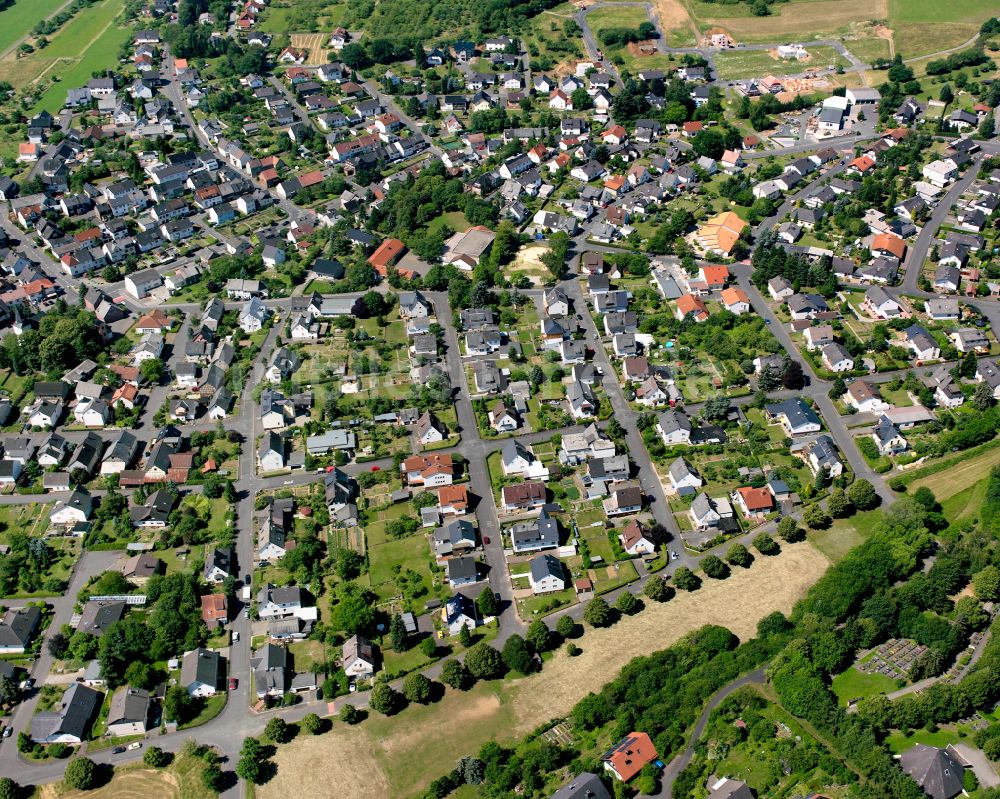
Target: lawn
<point>454,219</point>
<point>88,44</point>
<point>211,708</point>
<point>853,684</point>
<point>868,49</point>
<point>753,63</point>
<point>385,554</point>
<point>845,534</point>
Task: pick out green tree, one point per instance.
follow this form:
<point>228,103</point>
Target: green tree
<point>211,775</point>
<point>539,635</point>
<point>986,584</point>
<point>80,774</point>
<point>566,627</point>
<point>597,613</point>
<point>353,610</point>
<point>658,589</point>
<point>487,602</point>
<point>417,688</point>
<point>152,370</point>
<point>154,757</point>
<point>465,636</point>
<point>397,633</point>
<point>862,495</point>
<point>384,699</point>
<point>838,504</point>
<point>277,731</point>
<point>349,714</point>
<point>312,724</point>
<point>714,567</point>
<point>177,704</point>
<point>738,555</point>
<point>516,655</point>
<point>627,604</point>
<point>788,529</point>
<point>9,789</point>
<point>765,545</point>
<point>815,517</point>
<point>685,579</point>
<point>946,95</point>
<point>484,662</point>
<point>455,675</point>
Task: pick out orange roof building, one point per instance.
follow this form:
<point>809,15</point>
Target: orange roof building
<point>862,164</point>
<point>386,255</point>
<point>721,232</point>
<point>734,299</point>
<point>690,306</point>
<point>889,244</point>
<point>453,499</point>
<point>714,276</point>
<point>627,757</point>
<point>755,500</point>
<point>214,611</point>
<point>153,321</point>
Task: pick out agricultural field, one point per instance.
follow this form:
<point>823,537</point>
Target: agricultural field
<point>17,21</point>
<point>399,756</point>
<point>292,16</point>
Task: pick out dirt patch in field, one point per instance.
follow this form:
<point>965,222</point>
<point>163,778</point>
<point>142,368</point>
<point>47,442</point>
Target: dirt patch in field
<point>642,49</point>
<point>399,756</point>
<point>671,14</point>
<point>529,261</point>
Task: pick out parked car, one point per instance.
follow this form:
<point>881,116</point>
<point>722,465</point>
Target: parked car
<point>486,539</point>
<point>8,731</point>
<point>233,682</point>
<point>135,745</point>
<point>118,750</point>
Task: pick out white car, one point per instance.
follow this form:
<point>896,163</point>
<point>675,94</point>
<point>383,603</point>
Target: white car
<point>135,745</point>
<point>236,636</point>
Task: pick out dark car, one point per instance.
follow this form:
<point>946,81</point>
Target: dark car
<point>118,750</point>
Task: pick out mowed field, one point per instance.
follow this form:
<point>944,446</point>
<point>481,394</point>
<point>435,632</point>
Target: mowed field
<point>805,20</point>
<point>180,780</point>
<point>89,42</point>
<point>399,756</point>
<point>963,475</point>
<point>18,20</point>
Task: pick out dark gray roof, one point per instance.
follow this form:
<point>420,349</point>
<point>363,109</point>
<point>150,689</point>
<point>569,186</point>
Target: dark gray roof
<point>19,625</point>
<point>75,712</point>
<point>546,566</point>
<point>583,786</point>
<point>935,770</point>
